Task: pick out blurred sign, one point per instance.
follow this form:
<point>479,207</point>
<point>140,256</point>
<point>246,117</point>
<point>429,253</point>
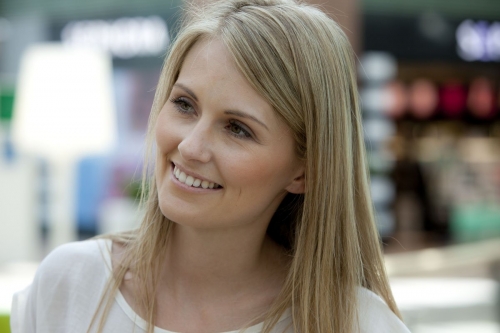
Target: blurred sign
<point>432,37</point>
<point>125,37</point>
<point>478,41</point>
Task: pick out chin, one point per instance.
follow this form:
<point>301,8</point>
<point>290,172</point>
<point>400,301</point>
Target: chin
<point>178,215</point>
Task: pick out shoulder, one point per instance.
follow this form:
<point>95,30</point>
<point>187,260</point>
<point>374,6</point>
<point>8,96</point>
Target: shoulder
<point>92,251</point>
<point>66,286</point>
<point>375,316</point>
<point>75,258</point>
<point>74,266</point>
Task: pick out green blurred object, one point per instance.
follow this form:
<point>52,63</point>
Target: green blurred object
<point>475,222</point>
<point>6,104</point>
<point>4,323</point>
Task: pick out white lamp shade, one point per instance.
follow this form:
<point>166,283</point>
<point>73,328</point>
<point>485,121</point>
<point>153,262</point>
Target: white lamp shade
<point>64,105</point>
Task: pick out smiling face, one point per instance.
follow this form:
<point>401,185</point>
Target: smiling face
<point>224,159</point>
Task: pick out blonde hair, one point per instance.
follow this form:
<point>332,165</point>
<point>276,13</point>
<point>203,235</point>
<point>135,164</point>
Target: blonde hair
<point>299,59</point>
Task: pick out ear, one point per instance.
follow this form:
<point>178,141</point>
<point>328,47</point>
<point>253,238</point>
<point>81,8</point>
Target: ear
<point>298,184</point>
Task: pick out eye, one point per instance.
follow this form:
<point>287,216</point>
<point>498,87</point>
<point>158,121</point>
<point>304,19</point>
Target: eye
<point>182,105</point>
<point>238,130</point>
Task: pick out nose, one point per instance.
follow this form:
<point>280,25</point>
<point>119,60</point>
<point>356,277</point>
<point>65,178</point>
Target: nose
<point>195,145</point>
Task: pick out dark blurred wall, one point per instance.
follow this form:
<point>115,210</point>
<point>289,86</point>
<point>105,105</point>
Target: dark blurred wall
<point>341,9</point>
<point>347,13</point>
<point>68,9</point>
<point>475,9</point>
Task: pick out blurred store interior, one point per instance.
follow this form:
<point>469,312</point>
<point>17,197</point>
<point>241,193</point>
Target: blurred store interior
<point>429,78</point>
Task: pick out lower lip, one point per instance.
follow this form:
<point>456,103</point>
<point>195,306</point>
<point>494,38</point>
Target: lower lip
<point>189,188</point>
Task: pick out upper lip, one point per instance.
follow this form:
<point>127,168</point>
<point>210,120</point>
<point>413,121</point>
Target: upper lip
<point>193,174</point>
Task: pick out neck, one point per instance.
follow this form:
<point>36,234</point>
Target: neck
<point>215,262</point>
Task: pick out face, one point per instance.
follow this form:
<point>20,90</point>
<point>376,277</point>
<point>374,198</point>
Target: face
<point>224,159</point>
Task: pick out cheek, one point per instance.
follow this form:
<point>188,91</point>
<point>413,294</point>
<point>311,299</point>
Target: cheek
<point>257,170</point>
<point>164,133</point>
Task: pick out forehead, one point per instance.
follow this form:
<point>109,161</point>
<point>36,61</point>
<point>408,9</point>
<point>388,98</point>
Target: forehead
<point>210,71</point>
<point>209,61</point>
<point>209,51</point>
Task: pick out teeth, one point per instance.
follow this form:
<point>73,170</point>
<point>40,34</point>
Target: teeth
<point>182,177</point>
<point>191,181</point>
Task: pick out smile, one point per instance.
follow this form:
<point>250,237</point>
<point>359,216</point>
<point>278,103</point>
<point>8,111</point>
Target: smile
<point>192,181</point>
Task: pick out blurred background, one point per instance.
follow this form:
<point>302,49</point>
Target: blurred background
<point>77,80</point>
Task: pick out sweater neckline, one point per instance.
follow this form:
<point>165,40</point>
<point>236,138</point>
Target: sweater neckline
<point>139,321</point>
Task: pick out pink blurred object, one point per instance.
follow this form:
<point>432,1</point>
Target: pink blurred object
<point>396,99</point>
<point>423,98</point>
<point>453,99</point>
<point>481,99</point>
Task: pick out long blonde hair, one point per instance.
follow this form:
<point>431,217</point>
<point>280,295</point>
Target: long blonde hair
<point>298,59</point>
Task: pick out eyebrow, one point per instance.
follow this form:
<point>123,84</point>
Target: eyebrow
<point>186,89</point>
<point>231,112</point>
<point>245,115</point>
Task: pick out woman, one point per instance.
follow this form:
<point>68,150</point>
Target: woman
<point>257,214</point>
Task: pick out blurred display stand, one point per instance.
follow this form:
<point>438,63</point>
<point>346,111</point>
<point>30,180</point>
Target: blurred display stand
<point>448,289</point>
<point>375,71</point>
<point>19,236</point>
<point>448,305</point>
<point>19,239</point>
<point>13,278</point>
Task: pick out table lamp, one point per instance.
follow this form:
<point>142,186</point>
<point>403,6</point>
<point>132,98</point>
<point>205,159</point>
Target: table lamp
<point>64,110</point>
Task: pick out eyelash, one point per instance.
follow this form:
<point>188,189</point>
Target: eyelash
<point>181,101</point>
<point>246,134</point>
<point>178,102</point>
